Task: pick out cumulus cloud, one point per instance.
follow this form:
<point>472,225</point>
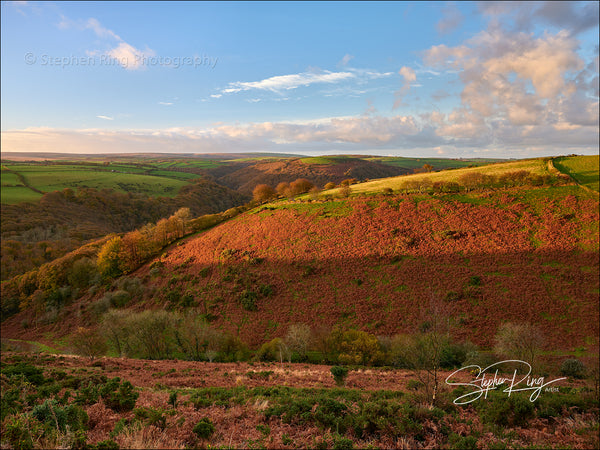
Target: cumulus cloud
<point>409,77</point>
<point>575,17</point>
<point>518,77</point>
<point>451,19</point>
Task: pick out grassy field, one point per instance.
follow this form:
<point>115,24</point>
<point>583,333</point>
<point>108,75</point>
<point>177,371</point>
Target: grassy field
<point>437,163</point>
<point>584,169</point>
<point>537,166</point>
<point>120,177</point>
<point>325,159</point>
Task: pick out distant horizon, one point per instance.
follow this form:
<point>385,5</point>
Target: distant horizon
<point>507,80</point>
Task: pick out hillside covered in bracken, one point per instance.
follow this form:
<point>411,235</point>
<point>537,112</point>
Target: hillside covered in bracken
<point>373,262</point>
<point>319,171</point>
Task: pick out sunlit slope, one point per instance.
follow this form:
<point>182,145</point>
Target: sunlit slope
<point>583,169</point>
<point>537,166</point>
<point>374,262</point>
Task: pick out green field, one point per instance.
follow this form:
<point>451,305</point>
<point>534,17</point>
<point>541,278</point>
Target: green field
<point>326,159</point>
<point>120,177</point>
<point>12,195</point>
<point>437,163</point>
<point>583,169</point>
<point>10,179</point>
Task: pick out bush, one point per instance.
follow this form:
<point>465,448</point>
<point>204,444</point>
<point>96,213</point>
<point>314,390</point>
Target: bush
<point>339,374</point>
<point>118,396</point>
<point>17,431</point>
<point>151,416</point>
<point>52,414</point>
<point>31,373</point>
<point>88,343</point>
<point>248,300</point>
<point>572,368</point>
<point>342,443</point>
<point>204,429</point>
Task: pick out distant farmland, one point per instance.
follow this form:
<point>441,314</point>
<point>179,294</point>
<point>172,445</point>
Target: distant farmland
<point>28,182</point>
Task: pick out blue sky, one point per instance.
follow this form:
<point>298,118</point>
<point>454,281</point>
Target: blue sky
<point>492,79</point>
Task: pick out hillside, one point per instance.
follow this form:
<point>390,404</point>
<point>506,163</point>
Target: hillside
<point>317,170</point>
<point>374,262</point>
<point>61,221</point>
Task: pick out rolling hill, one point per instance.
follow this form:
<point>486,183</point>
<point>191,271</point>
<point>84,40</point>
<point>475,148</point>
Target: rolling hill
<point>375,260</point>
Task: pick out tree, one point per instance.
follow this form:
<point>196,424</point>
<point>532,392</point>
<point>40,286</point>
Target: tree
<point>182,216</point>
<point>82,273</point>
<point>422,352</point>
<point>518,341</point>
<point>283,189</point>
<point>116,327</point>
<point>263,193</point>
<point>88,343</point>
<point>109,258</point>
<point>345,190</point>
<point>300,186</point>
<point>196,339</point>
<point>356,347</point>
<point>329,185</point>
<point>298,338</point>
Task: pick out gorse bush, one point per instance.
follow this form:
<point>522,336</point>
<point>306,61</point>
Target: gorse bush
<point>119,396</point>
<point>204,429</point>
<point>339,374</point>
<point>54,415</point>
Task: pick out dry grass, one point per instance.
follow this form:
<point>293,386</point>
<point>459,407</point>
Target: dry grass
<point>535,166</point>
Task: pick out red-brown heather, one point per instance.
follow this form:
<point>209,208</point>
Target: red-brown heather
<point>373,262</point>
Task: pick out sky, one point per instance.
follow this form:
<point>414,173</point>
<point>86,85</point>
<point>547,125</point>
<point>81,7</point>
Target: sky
<point>416,79</point>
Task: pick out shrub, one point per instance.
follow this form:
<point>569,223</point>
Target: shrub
<point>572,368</point>
<point>17,431</point>
<point>151,416</point>
<point>342,443</point>
<point>248,300</point>
<point>118,396</point>
<point>52,414</point>
<point>31,373</point>
<point>104,445</point>
<point>339,374</point>
<point>88,343</point>
<point>118,299</point>
<point>204,429</point>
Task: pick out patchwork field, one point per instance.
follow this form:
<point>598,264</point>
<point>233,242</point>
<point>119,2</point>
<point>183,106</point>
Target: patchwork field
<point>47,178</point>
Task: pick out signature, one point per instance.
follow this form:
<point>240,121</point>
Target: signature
<point>487,379</point>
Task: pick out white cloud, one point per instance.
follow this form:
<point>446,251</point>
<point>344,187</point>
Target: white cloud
<point>105,117</point>
<point>126,55</point>
<point>130,57</point>
<point>165,103</point>
<point>286,82</point>
<point>345,60</point>
<point>217,95</point>
<point>409,76</point>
